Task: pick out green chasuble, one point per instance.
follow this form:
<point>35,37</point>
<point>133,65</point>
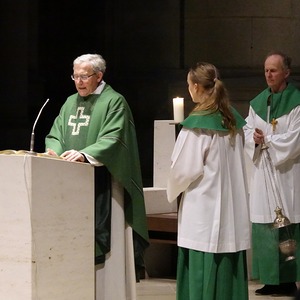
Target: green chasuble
<point>280,103</point>
<point>102,126</point>
<point>211,120</point>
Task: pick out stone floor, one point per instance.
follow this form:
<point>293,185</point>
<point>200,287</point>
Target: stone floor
<point>164,289</point>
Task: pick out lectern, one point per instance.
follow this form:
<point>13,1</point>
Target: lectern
<point>46,229</point>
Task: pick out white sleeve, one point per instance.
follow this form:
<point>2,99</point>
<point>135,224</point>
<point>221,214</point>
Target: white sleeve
<point>250,149</point>
<point>93,161</point>
<point>187,160</point>
<point>285,146</point>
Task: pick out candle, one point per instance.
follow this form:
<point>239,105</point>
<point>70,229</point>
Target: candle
<point>178,109</point>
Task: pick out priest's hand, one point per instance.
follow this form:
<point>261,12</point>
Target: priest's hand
<point>258,136</point>
<point>51,152</point>
<point>73,155</point>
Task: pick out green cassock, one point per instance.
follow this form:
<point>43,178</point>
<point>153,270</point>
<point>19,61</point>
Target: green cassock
<point>102,126</point>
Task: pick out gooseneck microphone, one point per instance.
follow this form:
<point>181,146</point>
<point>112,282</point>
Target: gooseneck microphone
<point>33,128</point>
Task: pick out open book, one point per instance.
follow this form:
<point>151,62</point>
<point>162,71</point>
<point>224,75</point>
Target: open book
<point>24,152</point>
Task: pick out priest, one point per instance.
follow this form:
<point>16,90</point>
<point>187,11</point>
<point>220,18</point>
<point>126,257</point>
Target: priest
<point>272,135</point>
<point>95,125</point>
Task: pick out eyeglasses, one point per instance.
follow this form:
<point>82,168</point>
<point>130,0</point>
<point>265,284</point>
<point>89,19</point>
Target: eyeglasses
<point>81,77</point>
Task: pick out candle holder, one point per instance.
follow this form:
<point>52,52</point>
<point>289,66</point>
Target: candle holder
<point>177,126</point>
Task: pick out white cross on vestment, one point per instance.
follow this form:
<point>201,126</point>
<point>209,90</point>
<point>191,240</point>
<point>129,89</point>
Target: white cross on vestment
<point>79,115</point>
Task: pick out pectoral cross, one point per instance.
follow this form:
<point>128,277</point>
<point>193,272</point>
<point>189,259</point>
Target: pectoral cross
<point>274,122</point>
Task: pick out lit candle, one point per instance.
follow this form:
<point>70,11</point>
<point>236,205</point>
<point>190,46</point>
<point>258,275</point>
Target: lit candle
<point>178,109</point>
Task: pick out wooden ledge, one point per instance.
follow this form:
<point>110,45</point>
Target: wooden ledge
<point>166,222</point>
<point>162,227</point>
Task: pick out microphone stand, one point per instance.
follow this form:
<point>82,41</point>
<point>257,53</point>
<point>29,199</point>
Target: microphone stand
<point>32,152</point>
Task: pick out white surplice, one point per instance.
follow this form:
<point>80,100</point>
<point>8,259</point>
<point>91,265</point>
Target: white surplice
<point>284,149</point>
<point>213,214</point>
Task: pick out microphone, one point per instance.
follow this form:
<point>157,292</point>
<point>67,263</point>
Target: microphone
<point>33,128</point>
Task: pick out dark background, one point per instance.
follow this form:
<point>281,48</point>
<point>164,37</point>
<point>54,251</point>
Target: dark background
<point>40,40</point>
<point>148,45</point>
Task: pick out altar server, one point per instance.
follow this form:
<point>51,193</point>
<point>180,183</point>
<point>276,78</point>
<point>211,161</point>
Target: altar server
<point>208,169</point>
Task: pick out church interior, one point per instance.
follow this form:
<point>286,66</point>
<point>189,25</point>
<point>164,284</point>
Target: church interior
<point>149,47</point>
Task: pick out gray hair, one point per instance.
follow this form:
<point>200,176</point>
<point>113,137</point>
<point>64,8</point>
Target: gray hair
<point>95,60</point>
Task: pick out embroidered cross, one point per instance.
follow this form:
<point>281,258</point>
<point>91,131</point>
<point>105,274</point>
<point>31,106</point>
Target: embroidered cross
<point>274,122</point>
<point>79,116</point>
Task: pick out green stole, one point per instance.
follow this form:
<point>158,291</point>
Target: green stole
<point>280,103</point>
<point>211,120</point>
